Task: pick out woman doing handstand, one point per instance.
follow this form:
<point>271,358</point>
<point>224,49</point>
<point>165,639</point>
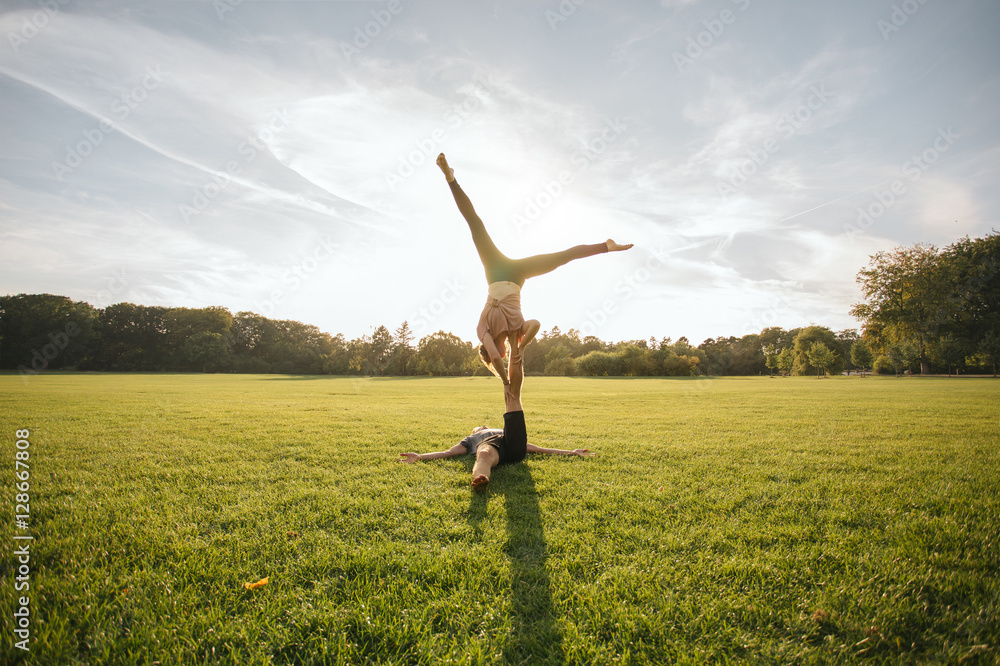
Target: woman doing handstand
<point>501,319</point>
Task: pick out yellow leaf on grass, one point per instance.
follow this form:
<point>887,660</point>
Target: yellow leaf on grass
<point>253,586</point>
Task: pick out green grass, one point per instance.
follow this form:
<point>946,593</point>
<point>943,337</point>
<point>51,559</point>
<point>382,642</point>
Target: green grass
<point>724,520</point>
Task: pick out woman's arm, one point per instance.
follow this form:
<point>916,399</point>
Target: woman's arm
<point>583,453</point>
<point>411,457</point>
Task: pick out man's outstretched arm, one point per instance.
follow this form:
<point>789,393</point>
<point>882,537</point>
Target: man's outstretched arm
<point>583,453</point>
<point>410,457</point>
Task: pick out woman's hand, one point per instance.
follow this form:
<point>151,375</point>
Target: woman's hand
<point>583,453</point>
<point>408,457</point>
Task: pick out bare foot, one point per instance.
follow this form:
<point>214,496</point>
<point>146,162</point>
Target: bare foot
<point>449,173</point>
<point>615,247</point>
<point>481,482</point>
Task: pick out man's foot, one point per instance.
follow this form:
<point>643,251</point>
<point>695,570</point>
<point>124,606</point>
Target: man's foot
<point>449,173</point>
<point>481,482</point>
<point>615,247</point>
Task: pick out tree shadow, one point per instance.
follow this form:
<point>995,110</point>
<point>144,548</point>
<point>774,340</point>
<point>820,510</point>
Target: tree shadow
<point>535,637</point>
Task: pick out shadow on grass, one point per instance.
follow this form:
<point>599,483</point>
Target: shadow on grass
<point>535,636</point>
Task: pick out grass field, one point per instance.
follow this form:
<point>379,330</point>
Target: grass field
<point>725,520</point>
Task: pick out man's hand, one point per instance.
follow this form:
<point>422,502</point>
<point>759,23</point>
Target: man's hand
<point>408,457</point>
<point>583,453</point>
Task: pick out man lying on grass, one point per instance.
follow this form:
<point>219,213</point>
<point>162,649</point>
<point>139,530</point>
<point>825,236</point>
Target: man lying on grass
<point>497,447</point>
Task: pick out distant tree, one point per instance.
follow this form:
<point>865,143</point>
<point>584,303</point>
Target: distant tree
<point>254,342</point>
<point>988,352</point>
<point>718,355</point>
<point>635,360</point>
<point>207,351</point>
<point>803,344</point>
<point>820,357</point>
<point>132,337</point>
<point>338,360</point>
<point>861,355</point>
<point>558,362</point>
<point>908,295</point>
<point>359,356</point>
<point>786,361</point>
<point>402,351</point>
<point>777,337</point>
<point>975,270</point>
<point>445,354</point>
<point>901,355</point>
<point>45,332</point>
<point>845,340</point>
<point>600,364</point>
<point>947,351</point>
<point>182,323</point>
<point>379,348</point>
<point>771,358</point>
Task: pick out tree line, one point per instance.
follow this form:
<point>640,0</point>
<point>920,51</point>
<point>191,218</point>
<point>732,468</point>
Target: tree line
<point>926,310</point>
<point>933,310</point>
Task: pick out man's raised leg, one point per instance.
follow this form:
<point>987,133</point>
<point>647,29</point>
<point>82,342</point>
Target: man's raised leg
<point>486,459</point>
<point>515,373</point>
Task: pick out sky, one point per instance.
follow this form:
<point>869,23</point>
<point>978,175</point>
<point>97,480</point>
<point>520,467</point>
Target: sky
<point>278,157</point>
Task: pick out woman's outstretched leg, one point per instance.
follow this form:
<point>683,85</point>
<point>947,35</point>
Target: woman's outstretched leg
<point>544,263</point>
<point>487,249</point>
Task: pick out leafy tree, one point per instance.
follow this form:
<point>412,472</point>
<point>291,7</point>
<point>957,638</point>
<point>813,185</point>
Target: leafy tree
<point>901,355</point>
<point>820,357</point>
<point>947,351</point>
<point>379,348</point>
<point>132,337</point>
<point>182,323</point>
<point>908,298</point>
<point>558,362</point>
<point>771,358</point>
<point>402,351</point>
<point>255,341</point>
<point>803,344</point>
<point>45,332</point>
<point>207,351</point>
<point>845,340</point>
<point>445,354</point>
<point>861,355</point>
<point>600,364</point>
<point>786,361</point>
<point>988,352</point>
